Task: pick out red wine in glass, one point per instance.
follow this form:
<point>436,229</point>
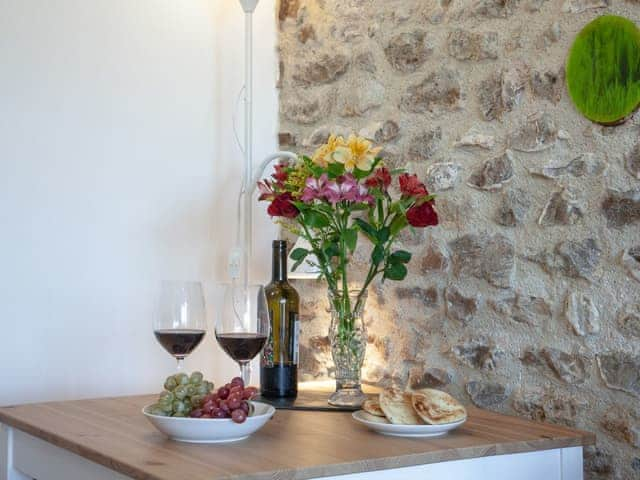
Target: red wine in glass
<point>180,322</point>
<point>242,323</point>
<point>242,347</point>
<point>179,343</point>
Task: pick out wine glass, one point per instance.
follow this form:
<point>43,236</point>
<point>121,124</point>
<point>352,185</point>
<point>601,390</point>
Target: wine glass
<point>180,323</point>
<point>242,324</point>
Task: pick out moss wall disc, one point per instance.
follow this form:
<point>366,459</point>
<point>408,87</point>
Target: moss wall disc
<point>603,70</point>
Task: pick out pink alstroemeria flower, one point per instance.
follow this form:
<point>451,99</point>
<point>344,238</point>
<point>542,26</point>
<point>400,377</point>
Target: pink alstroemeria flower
<point>346,188</point>
<point>364,196</point>
<point>314,188</point>
<point>266,190</point>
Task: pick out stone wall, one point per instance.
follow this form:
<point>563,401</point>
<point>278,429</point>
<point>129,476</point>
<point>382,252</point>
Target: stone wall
<point>526,299</point>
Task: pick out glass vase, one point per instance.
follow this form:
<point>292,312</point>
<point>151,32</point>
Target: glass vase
<point>348,339</point>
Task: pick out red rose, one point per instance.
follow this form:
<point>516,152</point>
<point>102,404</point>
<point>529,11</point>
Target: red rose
<point>410,186</point>
<point>423,215</point>
<point>381,179</point>
<point>280,174</point>
<point>281,206</point>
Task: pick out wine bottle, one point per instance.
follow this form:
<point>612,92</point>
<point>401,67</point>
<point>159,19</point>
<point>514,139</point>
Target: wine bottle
<point>279,361</point>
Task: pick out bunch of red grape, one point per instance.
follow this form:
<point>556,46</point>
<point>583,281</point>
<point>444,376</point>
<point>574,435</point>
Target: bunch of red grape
<point>230,401</point>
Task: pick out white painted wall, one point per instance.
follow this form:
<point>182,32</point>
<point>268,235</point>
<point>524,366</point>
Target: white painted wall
<point>117,170</point>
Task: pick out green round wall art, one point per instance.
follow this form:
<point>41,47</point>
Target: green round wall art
<point>603,70</point>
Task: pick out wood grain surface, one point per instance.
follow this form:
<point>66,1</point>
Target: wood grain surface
<point>293,445</point>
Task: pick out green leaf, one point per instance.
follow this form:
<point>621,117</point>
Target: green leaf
<point>335,169</point>
<point>299,254</point>
<point>377,255</point>
<point>383,234</point>
<point>357,207</point>
<point>396,207</point>
<point>315,220</point>
<point>397,224</point>
<point>400,256</point>
<point>367,229</point>
<point>325,208</point>
<point>360,174</point>
<point>296,265</point>
<point>395,271</point>
<point>316,170</point>
<point>301,205</point>
<point>331,249</point>
<point>350,237</point>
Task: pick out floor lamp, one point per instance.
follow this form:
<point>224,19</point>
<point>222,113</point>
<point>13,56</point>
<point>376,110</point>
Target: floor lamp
<point>241,255</point>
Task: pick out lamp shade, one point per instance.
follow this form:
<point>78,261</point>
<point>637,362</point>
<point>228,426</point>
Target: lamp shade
<point>249,5</point>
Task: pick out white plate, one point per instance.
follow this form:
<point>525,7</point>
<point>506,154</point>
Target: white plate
<point>209,430</point>
<point>403,430</point>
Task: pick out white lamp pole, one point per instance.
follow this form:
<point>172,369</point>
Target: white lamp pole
<point>240,259</point>
<point>249,7</point>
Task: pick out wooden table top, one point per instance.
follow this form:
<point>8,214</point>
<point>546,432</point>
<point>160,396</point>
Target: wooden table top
<point>294,444</point>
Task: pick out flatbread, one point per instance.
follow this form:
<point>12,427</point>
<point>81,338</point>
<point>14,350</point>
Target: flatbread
<point>436,407</point>
<point>396,406</point>
<point>374,418</point>
<point>372,406</point>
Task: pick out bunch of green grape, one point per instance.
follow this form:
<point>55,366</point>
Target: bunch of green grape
<point>181,394</point>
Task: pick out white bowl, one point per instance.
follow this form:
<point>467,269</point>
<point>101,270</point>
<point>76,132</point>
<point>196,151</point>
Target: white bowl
<point>382,426</point>
<point>210,430</point>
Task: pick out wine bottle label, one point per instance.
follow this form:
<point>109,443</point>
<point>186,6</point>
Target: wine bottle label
<point>296,337</point>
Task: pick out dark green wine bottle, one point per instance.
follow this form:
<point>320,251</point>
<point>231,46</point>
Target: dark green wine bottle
<point>279,361</point>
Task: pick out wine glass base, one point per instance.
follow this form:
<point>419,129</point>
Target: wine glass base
<point>347,397</point>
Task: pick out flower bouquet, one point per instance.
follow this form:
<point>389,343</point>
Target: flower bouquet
<point>343,191</point>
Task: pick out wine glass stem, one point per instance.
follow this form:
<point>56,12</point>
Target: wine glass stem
<point>245,372</point>
<point>179,368</point>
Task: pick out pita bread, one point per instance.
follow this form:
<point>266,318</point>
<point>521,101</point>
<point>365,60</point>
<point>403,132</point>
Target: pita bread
<point>372,406</point>
<point>374,418</point>
<point>396,406</point>
<point>436,407</point>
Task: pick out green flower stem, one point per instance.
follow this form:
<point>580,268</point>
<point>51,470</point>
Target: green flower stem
<point>318,254</point>
<point>336,272</point>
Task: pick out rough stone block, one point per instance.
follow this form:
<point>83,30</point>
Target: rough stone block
<point>488,257</point>
<point>323,69</point>
<point>442,176</point>
<point>568,367</point>
<point>629,320</point>
<point>582,314</point>
<point>621,208</point>
<point>561,209</point>
<point>526,309</point>
<point>438,91</point>
<point>620,371</point>
<point>469,45</point>
<point>406,52</point>
<point>512,208</point>
<point>493,173</point>
<point>477,352</point>
<point>460,307</point>
<point>489,395</point>
<point>538,133</point>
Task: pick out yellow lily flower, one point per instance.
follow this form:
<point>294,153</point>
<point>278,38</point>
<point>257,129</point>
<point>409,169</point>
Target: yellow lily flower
<point>357,153</point>
<point>323,156</point>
